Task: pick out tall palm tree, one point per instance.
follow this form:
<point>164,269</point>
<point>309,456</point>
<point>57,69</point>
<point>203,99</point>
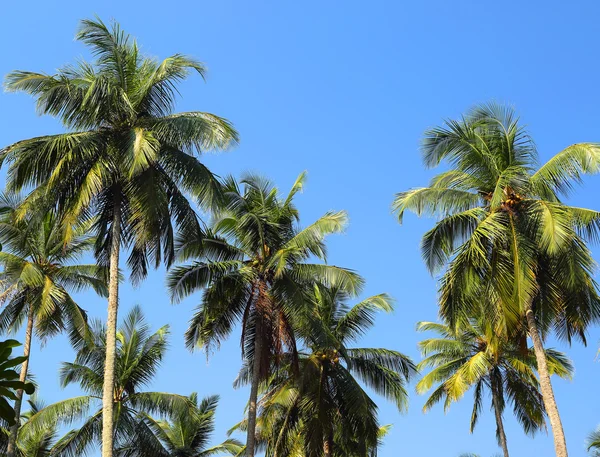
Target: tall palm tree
<point>138,357</point>
<point>253,266</point>
<point>126,158</point>
<point>505,233</point>
<point>324,404</point>
<point>188,434</point>
<point>475,357</point>
<point>31,442</point>
<point>38,275</point>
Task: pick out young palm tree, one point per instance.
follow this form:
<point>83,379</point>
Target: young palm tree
<point>187,434</point>
<point>324,404</point>
<point>253,267</point>
<point>38,274</point>
<point>31,443</point>
<point>475,357</point>
<point>138,357</point>
<point>505,233</point>
<point>126,158</point>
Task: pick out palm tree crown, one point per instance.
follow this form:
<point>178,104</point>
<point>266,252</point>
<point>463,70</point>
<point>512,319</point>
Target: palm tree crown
<point>39,272</point>
<point>323,408</point>
<point>139,354</point>
<point>475,357</point>
<point>188,434</point>
<point>32,442</point>
<point>501,215</point>
<point>126,149</point>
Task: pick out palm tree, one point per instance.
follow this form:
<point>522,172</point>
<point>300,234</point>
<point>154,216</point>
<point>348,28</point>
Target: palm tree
<point>475,357</point>
<point>324,404</point>
<point>253,267</point>
<point>38,274</point>
<point>188,434</point>
<point>31,443</point>
<point>138,357</point>
<point>126,157</point>
<point>504,233</point>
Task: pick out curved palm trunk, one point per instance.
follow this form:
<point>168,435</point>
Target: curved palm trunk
<point>500,434</point>
<point>252,407</point>
<point>560,443</point>
<point>14,430</point>
<point>111,336</point>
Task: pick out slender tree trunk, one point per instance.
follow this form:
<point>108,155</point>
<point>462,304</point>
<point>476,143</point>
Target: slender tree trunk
<point>560,443</point>
<point>501,435</point>
<point>251,438</point>
<point>14,430</point>
<point>111,336</point>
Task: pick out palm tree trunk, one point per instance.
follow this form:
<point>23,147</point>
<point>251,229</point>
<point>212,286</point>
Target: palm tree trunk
<point>501,435</point>
<point>252,407</point>
<point>560,443</point>
<point>111,335</point>
<point>14,430</point>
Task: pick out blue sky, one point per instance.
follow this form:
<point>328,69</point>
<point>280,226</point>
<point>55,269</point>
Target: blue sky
<point>343,90</point>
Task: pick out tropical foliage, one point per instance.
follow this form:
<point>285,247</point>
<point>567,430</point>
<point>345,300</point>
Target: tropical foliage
<point>188,433</point>
<point>253,265</point>
<point>9,380</point>
<point>127,162</point>
<point>476,357</point>
<point>38,276</point>
<point>321,407</point>
<point>31,442</point>
<point>504,233</point>
<point>594,443</point>
<point>511,259</point>
<point>138,357</point>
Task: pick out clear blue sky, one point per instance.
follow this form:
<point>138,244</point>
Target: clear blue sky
<point>344,90</point>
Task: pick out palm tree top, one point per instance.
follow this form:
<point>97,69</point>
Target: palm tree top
<point>494,165</point>
<point>40,270</point>
<point>119,89</point>
<point>254,246</point>
<point>139,355</point>
<point>475,356</point>
<point>187,434</point>
<point>125,153</point>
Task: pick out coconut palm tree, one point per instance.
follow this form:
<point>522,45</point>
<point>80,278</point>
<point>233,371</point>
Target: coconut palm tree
<point>323,404</point>
<point>187,434</point>
<point>138,357</point>
<point>31,443</point>
<point>126,158</point>
<point>39,272</point>
<point>505,233</point>
<point>253,265</point>
<point>475,357</point>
